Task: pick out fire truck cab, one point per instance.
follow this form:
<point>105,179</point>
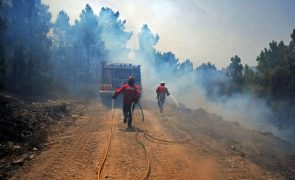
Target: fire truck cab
<point>114,76</point>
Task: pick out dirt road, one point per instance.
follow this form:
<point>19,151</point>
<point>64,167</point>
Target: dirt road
<point>77,153</point>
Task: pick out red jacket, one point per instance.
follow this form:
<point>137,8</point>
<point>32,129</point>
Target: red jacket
<point>131,94</point>
<point>162,91</point>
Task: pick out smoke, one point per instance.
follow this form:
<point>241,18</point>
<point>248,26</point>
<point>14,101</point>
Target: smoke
<point>194,90</point>
<point>246,109</point>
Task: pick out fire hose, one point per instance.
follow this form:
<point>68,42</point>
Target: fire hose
<point>109,142</point>
<point>147,173</point>
<point>146,134</point>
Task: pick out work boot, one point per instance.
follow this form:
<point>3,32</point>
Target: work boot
<point>129,123</point>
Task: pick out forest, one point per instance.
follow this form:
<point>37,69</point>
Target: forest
<point>41,58</point>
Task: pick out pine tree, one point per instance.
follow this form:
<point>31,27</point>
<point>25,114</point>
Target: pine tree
<point>291,63</point>
<point>273,73</point>
<point>235,72</point>
<point>2,56</point>
<point>28,25</point>
<point>186,67</point>
<point>113,34</point>
<point>62,46</point>
<point>147,42</point>
<point>88,33</point>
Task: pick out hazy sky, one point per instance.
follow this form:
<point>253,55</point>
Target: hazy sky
<point>200,30</point>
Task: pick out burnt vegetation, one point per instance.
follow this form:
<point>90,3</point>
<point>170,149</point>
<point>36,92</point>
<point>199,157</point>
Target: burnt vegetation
<point>25,126</point>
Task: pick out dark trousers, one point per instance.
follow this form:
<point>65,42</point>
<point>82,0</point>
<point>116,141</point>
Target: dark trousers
<point>127,111</point>
<point>161,101</point>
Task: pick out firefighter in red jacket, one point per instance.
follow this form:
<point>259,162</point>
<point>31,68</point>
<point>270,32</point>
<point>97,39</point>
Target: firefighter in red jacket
<point>131,95</point>
<point>162,91</point>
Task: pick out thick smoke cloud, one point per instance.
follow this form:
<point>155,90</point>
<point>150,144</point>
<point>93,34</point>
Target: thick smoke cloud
<point>202,87</point>
<point>197,89</point>
<point>77,53</point>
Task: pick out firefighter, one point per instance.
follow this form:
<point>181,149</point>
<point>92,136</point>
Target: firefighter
<point>131,95</point>
<point>162,91</point>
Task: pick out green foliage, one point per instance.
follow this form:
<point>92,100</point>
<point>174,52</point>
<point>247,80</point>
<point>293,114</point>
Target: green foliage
<point>235,73</point>
<point>2,58</point>
<point>274,79</point>
<point>87,33</point>
<point>250,80</point>
<point>61,52</point>
<point>273,71</point>
<point>28,41</point>
<point>61,30</point>
<point>78,51</point>
<point>235,70</point>
<point>208,67</point>
<point>147,41</point>
<point>159,61</point>
<point>212,80</point>
<point>87,27</point>
<point>273,57</point>
<point>291,64</point>
<point>28,24</point>
<point>113,34</point>
<point>186,67</point>
<point>249,75</point>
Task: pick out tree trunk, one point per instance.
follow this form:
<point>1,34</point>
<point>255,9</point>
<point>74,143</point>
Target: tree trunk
<point>14,70</point>
<point>60,64</point>
<point>30,66</point>
<point>88,64</point>
<point>2,70</point>
<point>75,68</point>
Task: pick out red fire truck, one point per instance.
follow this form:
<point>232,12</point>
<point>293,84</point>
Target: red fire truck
<point>114,76</point>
